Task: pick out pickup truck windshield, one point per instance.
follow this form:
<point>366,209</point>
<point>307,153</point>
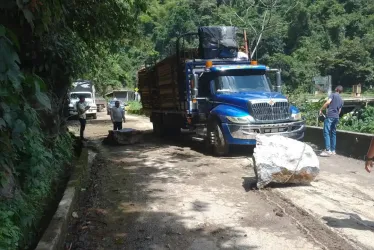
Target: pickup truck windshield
<point>232,83</point>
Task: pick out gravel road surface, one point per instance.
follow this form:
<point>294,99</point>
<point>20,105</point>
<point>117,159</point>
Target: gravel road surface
<point>169,194</point>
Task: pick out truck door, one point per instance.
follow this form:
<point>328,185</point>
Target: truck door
<point>205,103</point>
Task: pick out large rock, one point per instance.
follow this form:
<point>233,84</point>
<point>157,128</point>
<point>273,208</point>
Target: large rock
<point>282,160</point>
<point>124,137</point>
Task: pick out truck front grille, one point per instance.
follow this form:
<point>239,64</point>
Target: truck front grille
<point>263,111</point>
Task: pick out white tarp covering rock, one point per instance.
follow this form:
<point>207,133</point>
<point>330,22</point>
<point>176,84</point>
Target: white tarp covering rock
<point>124,136</point>
<point>283,160</point>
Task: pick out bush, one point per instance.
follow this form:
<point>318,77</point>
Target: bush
<point>39,168</point>
<point>135,107</point>
<point>362,121</point>
<point>31,159</point>
<point>309,110</point>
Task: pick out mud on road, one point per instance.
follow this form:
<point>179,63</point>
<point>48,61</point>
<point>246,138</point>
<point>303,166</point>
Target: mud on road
<point>168,194</point>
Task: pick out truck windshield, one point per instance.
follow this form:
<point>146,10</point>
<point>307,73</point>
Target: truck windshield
<point>231,83</point>
<point>77,95</point>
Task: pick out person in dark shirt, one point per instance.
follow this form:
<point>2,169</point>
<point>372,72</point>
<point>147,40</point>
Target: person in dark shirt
<point>334,106</point>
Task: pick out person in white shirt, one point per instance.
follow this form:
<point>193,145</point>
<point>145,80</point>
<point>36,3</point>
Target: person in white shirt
<point>82,108</point>
<point>117,115</point>
<point>241,54</point>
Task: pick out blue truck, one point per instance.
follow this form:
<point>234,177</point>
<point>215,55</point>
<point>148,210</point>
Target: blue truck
<point>223,100</point>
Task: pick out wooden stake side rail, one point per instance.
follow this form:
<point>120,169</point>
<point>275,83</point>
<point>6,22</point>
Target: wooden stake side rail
<point>159,86</point>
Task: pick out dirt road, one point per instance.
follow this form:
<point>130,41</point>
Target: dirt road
<point>168,194</point>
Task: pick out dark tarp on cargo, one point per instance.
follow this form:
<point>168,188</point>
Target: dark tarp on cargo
<point>218,42</point>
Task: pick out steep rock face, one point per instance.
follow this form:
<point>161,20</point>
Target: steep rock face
<point>8,185</point>
<point>283,160</point>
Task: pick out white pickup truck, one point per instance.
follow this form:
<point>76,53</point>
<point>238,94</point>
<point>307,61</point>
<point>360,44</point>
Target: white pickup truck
<point>82,88</point>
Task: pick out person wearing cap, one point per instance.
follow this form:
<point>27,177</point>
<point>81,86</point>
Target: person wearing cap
<point>369,159</point>
<point>117,115</point>
<point>334,106</point>
<point>82,108</point>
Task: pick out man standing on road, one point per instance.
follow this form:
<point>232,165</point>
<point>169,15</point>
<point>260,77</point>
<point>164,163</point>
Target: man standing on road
<point>334,106</point>
<point>82,108</point>
<point>370,157</point>
<point>117,115</point>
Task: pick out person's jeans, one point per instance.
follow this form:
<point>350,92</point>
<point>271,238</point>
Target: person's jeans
<point>329,132</point>
<point>117,125</point>
<point>83,127</point>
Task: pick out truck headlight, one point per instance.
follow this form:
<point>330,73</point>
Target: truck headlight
<point>242,120</point>
<point>71,105</point>
<point>296,116</point>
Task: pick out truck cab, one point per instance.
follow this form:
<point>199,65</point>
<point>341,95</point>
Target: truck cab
<point>231,104</point>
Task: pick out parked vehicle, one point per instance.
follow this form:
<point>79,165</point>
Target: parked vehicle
<point>82,88</point>
<point>223,100</point>
<point>100,103</point>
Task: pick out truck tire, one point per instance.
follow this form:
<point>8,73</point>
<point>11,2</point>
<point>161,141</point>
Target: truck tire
<point>172,131</point>
<point>158,130</point>
<point>94,116</point>
<point>218,143</point>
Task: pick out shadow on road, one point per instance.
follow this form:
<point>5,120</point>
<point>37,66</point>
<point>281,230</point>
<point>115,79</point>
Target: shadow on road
<point>185,141</point>
<point>126,205</point>
<point>354,221</point>
<point>249,183</point>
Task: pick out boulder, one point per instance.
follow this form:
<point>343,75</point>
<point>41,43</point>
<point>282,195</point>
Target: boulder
<point>283,160</point>
<point>124,136</point>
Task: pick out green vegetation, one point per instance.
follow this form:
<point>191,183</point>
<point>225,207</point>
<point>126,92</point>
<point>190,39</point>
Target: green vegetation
<point>44,45</point>
<point>362,122</point>
<point>134,107</point>
<point>304,38</point>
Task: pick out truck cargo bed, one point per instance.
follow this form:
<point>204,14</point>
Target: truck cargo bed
<point>162,87</point>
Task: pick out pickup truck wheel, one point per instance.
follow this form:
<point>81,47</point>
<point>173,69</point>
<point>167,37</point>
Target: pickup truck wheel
<point>217,140</point>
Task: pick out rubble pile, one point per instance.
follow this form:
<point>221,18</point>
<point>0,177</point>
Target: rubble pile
<point>124,136</point>
<point>284,160</point>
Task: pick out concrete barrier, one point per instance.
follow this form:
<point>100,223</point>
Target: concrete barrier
<point>54,236</point>
<point>349,144</point>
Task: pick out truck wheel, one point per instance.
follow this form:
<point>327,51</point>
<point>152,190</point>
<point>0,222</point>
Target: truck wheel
<point>158,129</point>
<point>216,139</point>
<point>173,131</point>
<point>94,116</point>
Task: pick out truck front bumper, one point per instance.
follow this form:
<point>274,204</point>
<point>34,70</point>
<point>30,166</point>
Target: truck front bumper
<point>246,134</point>
<point>91,111</point>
